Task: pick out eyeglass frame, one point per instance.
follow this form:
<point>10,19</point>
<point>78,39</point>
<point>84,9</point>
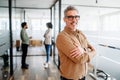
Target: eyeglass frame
<point>72,17</point>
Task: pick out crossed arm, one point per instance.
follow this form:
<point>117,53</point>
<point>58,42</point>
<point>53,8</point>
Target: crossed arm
<point>74,51</point>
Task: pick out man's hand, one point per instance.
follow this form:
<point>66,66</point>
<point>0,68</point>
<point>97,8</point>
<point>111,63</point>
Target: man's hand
<point>76,52</point>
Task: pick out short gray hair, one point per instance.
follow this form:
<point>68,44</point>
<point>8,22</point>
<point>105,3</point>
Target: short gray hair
<point>69,8</point>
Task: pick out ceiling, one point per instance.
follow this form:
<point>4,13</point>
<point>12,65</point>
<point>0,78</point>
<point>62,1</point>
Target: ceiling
<point>48,3</point>
<point>45,4</point>
<point>102,3</point>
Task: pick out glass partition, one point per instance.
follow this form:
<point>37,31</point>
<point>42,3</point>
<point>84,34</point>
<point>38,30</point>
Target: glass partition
<point>15,27</point>
<point>56,30</point>
<point>109,39</point>
<point>4,40</point>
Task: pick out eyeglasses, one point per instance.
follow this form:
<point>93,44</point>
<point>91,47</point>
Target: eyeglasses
<point>72,17</point>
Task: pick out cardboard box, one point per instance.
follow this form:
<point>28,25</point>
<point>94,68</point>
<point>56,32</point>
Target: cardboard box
<point>36,42</point>
<point>17,43</point>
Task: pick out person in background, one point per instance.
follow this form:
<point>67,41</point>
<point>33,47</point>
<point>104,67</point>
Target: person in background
<point>48,43</point>
<point>75,52</point>
<point>25,42</point>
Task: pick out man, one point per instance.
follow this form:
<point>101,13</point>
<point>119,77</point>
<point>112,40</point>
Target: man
<point>25,43</point>
<point>74,50</point>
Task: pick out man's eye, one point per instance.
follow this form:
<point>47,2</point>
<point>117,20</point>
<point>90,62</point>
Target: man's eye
<point>70,16</point>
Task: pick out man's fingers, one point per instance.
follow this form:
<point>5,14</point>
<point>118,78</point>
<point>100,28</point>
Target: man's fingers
<point>74,54</point>
<point>76,44</point>
<point>73,50</point>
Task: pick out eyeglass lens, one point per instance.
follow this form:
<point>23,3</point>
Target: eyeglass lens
<point>72,17</point>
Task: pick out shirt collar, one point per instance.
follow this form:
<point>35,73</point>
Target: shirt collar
<point>72,32</point>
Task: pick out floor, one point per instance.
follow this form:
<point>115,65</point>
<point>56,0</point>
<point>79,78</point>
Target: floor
<point>36,58</point>
<point>36,70</point>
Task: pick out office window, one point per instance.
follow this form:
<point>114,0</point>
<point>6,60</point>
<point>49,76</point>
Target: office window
<point>111,22</point>
<point>35,23</point>
<point>16,25</point>
<point>4,24</point>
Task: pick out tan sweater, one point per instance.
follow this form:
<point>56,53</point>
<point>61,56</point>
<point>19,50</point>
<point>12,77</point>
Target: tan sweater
<point>73,68</point>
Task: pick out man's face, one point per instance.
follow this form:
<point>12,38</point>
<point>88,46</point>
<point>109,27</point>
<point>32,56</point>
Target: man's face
<point>71,19</point>
<point>26,26</point>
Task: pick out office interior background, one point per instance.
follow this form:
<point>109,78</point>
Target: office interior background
<point>99,21</point>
